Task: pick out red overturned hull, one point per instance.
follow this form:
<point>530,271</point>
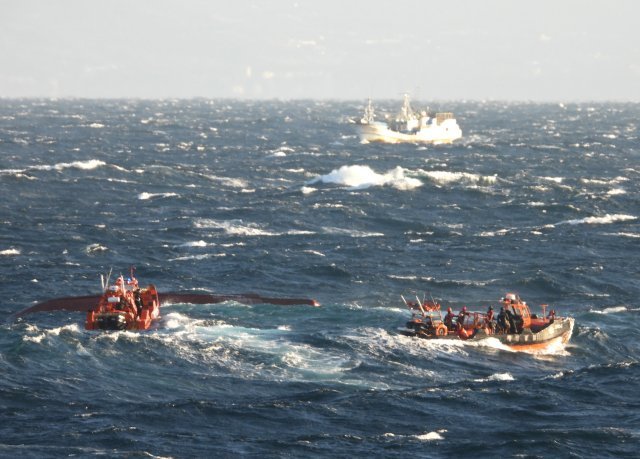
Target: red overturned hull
<point>245,298</point>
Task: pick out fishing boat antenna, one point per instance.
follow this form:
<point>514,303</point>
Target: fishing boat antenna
<point>105,283</point>
<point>420,306</point>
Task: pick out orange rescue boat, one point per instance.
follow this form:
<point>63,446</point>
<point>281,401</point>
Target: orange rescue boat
<point>125,306</point>
<point>515,326</point>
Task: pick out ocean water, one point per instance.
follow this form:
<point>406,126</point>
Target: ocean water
<point>282,199</point>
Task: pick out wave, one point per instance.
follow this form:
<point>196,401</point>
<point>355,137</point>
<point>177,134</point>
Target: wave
<point>430,436</point>
<point>36,335</point>
<point>497,377</point>
<point>203,256</point>
<point>427,436</point>
<point>194,244</point>
<point>604,220</point>
<point>239,228</point>
<point>350,232</point>
<point>9,252</point>
<point>459,282</point>
<point>624,234</point>
<point>83,165</point>
<point>362,177</point>
<point>604,182</point>
<point>557,180</point>
<point>18,173</point>
<point>146,196</point>
<point>501,232</point>
<point>447,177</point>
<point>610,310</point>
<point>228,181</point>
<point>233,227</point>
<point>95,248</point>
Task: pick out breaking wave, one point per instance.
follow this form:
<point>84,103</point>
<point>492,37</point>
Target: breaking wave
<point>361,177</point>
<point>446,177</point>
<point>604,220</point>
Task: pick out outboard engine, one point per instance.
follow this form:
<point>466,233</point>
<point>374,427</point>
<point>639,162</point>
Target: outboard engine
<point>110,321</point>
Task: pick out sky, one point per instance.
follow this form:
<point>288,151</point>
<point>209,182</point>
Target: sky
<point>520,50</point>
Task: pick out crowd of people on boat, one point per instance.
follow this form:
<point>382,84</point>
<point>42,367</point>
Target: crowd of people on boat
<point>505,322</point>
<point>513,317</point>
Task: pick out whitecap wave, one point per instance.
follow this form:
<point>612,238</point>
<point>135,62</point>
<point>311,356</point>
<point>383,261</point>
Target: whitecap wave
<point>95,248</point>
<point>83,165</point>
<point>202,256</point>
<point>447,177</point>
<point>228,181</point>
<point>610,310</point>
<point>17,173</point>
<point>603,220</point>
<point>194,244</point>
<point>350,232</point>
<point>624,234</point>
<point>9,252</point>
<point>234,227</point>
<point>362,177</point>
<point>146,196</point>
<point>240,228</point>
<point>35,335</point>
<point>501,232</point>
<point>497,377</point>
<point>430,436</point>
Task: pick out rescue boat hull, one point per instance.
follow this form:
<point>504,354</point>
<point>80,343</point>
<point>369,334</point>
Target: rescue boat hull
<point>126,310</point>
<point>554,335</point>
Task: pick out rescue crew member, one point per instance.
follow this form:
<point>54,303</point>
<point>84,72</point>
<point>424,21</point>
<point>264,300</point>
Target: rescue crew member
<point>489,318</point>
<point>503,326</point>
<point>511,320</point>
<point>463,313</point>
<point>448,319</point>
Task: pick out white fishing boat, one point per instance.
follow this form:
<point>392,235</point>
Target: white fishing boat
<point>409,126</point>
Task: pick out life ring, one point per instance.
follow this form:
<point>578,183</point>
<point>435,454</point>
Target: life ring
<point>441,330</point>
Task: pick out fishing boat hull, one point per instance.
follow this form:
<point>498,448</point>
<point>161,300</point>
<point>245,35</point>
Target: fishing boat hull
<point>444,133</point>
<point>552,336</point>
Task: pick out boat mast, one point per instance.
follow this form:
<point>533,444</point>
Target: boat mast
<point>369,114</point>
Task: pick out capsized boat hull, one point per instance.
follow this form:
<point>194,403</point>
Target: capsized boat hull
<point>557,333</point>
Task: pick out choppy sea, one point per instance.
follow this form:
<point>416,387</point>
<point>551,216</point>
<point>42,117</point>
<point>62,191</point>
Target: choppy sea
<point>282,199</point>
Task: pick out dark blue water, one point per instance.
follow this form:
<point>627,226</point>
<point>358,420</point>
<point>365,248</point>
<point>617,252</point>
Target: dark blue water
<point>281,199</point>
